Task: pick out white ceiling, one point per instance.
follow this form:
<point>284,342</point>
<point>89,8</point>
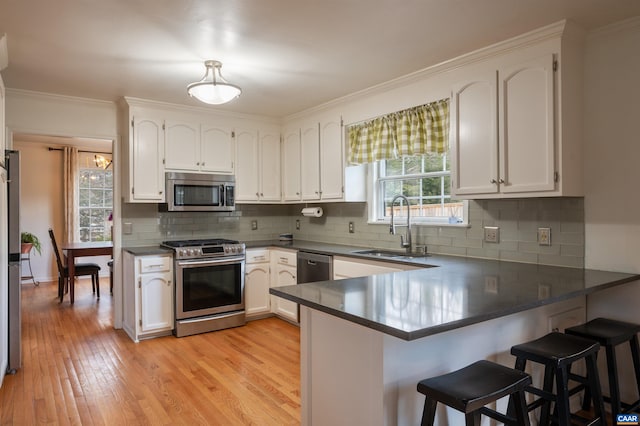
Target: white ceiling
<point>287,55</point>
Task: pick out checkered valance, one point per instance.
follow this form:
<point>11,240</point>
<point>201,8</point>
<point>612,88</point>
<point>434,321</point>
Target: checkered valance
<point>414,131</point>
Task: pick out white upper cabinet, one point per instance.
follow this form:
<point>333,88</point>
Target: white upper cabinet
<point>515,129</point>
<point>474,135</point>
<point>217,153</point>
<point>247,165</point>
<point>182,146</point>
<point>192,147</point>
<point>310,162</point>
<point>331,160</point>
<point>291,165</point>
<point>526,106</point>
<point>270,189</point>
<point>258,165</point>
<point>315,152</point>
<point>146,161</point>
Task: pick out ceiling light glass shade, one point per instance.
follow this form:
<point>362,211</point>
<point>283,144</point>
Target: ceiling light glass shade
<point>213,89</point>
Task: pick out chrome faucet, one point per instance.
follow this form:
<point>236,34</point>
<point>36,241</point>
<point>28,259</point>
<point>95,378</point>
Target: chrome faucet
<point>392,228</point>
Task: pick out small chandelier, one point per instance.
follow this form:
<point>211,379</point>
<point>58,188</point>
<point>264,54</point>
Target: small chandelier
<point>213,89</point>
<point>101,161</point>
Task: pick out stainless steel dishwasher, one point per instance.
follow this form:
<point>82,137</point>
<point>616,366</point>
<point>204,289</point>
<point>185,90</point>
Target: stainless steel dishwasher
<point>314,267</point>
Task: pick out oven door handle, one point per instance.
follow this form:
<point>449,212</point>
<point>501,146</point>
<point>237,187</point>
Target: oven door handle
<point>225,261</point>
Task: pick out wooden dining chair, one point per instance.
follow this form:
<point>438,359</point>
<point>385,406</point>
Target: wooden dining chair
<point>82,269</point>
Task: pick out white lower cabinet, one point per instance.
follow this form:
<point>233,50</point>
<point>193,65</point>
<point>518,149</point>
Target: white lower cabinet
<point>257,279</point>
<point>284,273</point>
<point>149,295</point>
<point>267,268</point>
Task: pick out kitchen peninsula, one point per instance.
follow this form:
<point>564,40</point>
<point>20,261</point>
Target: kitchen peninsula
<point>366,342</point>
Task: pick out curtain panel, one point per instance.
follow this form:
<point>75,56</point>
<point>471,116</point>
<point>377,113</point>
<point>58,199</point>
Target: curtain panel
<point>70,176</point>
<point>415,131</point>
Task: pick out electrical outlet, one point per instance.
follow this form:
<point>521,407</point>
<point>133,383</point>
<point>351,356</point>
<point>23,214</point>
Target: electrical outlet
<point>544,236</point>
<point>254,225</point>
<point>297,224</point>
<point>492,234</point>
<point>491,284</point>
<point>351,229</point>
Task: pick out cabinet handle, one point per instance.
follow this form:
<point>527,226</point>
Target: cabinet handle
<point>197,163</point>
<point>284,260</point>
<point>501,180</point>
<point>297,193</point>
<point>203,163</point>
<point>160,192</point>
<point>257,195</point>
<point>261,194</point>
<point>493,181</point>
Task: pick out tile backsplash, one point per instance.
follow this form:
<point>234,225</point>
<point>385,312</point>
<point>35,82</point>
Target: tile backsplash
<point>518,219</point>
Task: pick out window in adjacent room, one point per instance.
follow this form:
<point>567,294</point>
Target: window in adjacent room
<point>95,201</point>
<point>426,181</point>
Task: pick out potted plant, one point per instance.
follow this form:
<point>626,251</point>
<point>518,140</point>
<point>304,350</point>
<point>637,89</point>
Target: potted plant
<point>28,241</point>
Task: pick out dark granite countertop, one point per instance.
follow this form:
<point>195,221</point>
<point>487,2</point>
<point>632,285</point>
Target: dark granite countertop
<point>147,250</point>
<point>455,293</point>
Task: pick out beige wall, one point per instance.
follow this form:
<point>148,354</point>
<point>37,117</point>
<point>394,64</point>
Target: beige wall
<point>612,148</point>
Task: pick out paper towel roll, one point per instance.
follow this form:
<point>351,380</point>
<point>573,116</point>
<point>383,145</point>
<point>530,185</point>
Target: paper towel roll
<point>312,211</point>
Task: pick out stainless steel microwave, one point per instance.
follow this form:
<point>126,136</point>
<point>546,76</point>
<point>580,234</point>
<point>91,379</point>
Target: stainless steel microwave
<point>199,192</point>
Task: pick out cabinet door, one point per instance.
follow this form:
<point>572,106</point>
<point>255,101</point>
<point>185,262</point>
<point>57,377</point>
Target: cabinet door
<point>147,161</point>
<point>474,136</point>
<point>246,165</point>
<point>182,146</point>
<point>156,302</point>
<point>216,150</point>
<point>285,275</point>
<point>291,166</point>
<point>527,129</point>
<point>256,288</point>
<point>331,160</point>
<point>310,162</point>
<point>270,189</point>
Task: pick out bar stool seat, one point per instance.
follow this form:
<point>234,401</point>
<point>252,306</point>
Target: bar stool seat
<point>557,352</point>
<point>471,388</point>
<point>611,333</point>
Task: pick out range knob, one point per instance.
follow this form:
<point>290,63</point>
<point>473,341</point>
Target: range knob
<point>182,253</point>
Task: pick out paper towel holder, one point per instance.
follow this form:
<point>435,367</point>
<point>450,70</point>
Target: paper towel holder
<point>312,211</point>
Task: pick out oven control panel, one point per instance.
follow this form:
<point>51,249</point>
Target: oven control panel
<point>223,250</point>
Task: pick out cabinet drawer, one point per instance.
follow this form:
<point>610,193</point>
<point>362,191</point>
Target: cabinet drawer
<point>286,258</point>
<point>257,256</point>
<point>155,264</point>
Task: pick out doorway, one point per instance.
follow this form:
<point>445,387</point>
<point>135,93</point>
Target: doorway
<point>42,193</point>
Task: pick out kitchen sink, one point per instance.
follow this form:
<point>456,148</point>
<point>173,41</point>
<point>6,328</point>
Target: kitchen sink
<point>390,254</point>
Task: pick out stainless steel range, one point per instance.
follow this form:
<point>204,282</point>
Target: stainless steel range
<point>209,285</point>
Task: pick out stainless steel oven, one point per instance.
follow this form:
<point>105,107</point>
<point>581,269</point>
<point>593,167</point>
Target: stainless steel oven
<point>209,285</point>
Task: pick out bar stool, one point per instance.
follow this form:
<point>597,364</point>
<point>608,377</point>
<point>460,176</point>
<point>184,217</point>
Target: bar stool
<point>611,333</point>
<point>471,388</point>
<point>557,351</point>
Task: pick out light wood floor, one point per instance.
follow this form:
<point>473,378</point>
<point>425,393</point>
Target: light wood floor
<point>78,370</point>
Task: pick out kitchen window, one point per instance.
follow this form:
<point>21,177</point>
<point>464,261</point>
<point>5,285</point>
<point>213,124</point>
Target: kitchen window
<point>426,181</point>
<point>95,203</point>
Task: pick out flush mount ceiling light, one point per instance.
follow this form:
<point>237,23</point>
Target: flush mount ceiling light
<point>213,89</point>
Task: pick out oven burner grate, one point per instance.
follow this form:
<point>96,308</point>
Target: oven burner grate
<point>198,243</point>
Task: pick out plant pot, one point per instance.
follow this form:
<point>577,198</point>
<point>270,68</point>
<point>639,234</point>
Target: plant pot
<point>25,248</point>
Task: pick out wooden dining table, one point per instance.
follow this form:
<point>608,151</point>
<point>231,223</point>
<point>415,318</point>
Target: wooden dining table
<point>83,249</point>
